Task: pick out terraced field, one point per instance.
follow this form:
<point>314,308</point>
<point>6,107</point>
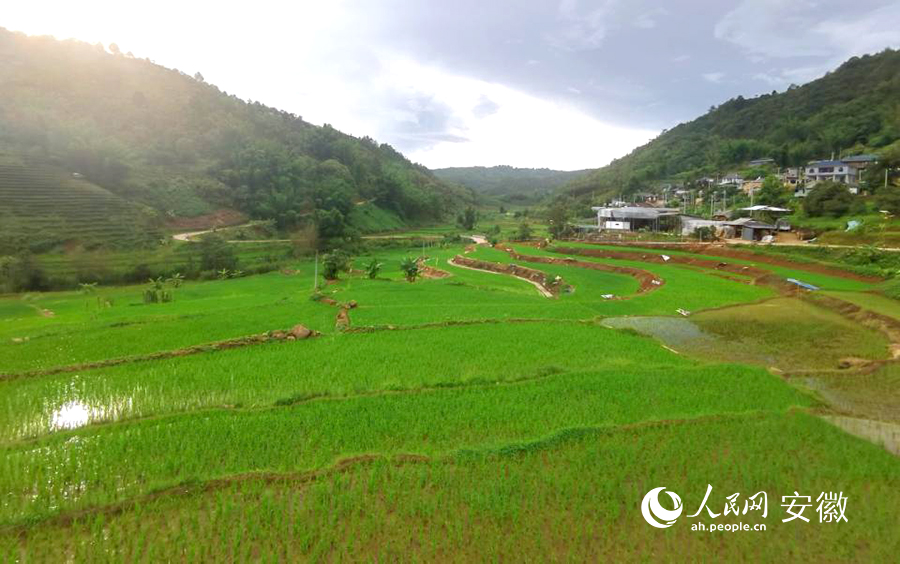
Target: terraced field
<point>465,416</point>
<point>47,207</point>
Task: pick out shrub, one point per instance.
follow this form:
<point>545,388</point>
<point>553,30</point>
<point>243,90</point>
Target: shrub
<point>334,263</point>
<point>828,199</point>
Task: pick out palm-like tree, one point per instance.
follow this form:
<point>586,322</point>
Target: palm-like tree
<point>374,268</point>
<point>88,289</point>
<point>410,268</point>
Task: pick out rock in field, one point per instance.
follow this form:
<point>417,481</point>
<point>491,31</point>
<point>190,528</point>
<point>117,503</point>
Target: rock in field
<point>300,332</point>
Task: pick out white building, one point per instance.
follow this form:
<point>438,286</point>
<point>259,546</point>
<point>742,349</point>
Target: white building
<point>732,180</point>
<point>836,171</point>
<point>632,218</point>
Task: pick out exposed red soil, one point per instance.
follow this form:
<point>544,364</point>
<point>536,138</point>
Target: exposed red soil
<point>432,272</point>
<point>220,218</point>
<point>647,280</point>
<point>730,252</point>
<point>342,321</point>
<point>759,276</point>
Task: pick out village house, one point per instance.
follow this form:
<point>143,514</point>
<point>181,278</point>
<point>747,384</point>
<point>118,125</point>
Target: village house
<point>790,177</point>
<point>748,229</point>
<point>752,186</point>
<point>731,180</point>
<point>835,171</point>
<point>859,162</point>
<point>634,218</point>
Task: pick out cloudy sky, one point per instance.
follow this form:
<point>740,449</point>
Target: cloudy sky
<point>563,84</point>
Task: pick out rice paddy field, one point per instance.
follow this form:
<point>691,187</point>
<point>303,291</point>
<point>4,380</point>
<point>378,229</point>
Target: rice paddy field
<point>462,417</point>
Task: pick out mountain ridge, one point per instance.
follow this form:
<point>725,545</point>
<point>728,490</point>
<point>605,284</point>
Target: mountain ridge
<point>175,146</point>
<point>507,183</point>
<point>852,109</point>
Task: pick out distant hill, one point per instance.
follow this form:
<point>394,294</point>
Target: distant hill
<point>147,145</point>
<point>854,109</point>
<point>507,183</point>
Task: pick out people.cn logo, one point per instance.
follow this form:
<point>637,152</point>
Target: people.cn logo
<point>656,514</point>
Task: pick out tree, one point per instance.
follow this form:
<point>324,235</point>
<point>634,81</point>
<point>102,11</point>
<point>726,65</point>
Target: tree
<point>410,268</point>
<point>467,218</point>
<point>558,216</point>
<point>197,76</point>
<point>828,199</point>
<point>525,232</point>
<point>330,224</point>
<point>772,192</point>
<point>157,293</point>
<point>889,200</point>
<point>216,253</point>
<point>334,263</point>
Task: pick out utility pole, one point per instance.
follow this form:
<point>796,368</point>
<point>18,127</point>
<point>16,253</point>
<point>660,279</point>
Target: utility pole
<point>316,275</point>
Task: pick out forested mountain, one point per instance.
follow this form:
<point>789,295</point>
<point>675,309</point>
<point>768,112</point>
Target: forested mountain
<point>169,145</point>
<point>853,109</point>
<point>508,183</point>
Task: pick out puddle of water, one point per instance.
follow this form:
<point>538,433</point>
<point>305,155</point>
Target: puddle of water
<point>70,415</point>
<point>684,336</point>
<point>677,332</point>
<point>72,407</point>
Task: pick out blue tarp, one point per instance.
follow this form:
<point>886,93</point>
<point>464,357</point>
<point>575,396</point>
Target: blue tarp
<point>802,284</point>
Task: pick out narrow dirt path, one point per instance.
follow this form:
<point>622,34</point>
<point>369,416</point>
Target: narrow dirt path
<point>647,280</point>
<point>732,252</point>
<point>540,288</point>
<point>188,235</point>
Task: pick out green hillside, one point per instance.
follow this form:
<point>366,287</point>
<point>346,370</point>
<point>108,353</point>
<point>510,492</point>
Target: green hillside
<point>39,203</point>
<point>854,109</point>
<point>507,183</point>
<point>162,144</point>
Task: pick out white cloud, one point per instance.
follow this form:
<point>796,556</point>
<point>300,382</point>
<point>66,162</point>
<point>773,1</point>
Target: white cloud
<point>647,20</point>
<point>835,31</point>
<point>522,130</point>
<point>404,71</point>
<point>581,29</point>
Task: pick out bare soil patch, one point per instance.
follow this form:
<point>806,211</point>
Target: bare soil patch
<point>220,218</point>
<point>647,280</point>
<point>718,250</point>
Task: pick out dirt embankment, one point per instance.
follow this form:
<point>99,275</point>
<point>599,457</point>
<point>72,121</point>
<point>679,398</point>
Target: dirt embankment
<point>886,325</point>
<point>647,280</point>
<point>296,333</point>
<point>730,252</point>
<point>431,272</point>
<point>758,276</point>
<point>549,287</point>
<point>342,320</point>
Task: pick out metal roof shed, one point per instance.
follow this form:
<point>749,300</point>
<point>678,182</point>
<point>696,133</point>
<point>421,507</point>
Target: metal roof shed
<point>750,229</point>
